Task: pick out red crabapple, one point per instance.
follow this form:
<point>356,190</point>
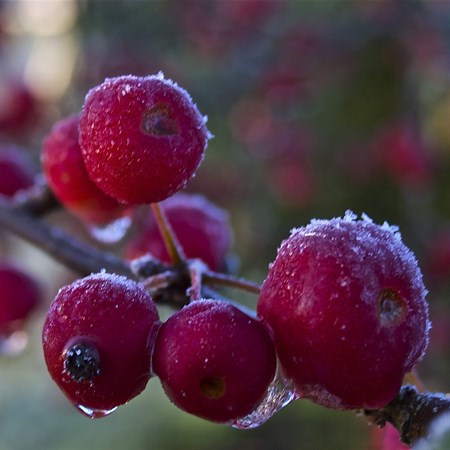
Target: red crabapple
<point>66,174</point>
<point>346,303</point>
<point>98,338</point>
<point>214,361</point>
<point>18,106</point>
<point>142,138</point>
<point>202,228</point>
<point>20,295</point>
<point>401,151</point>
<point>292,181</point>
<point>16,172</point>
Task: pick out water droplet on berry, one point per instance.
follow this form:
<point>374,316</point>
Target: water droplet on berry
<point>112,232</point>
<point>95,413</point>
<point>279,394</point>
<point>14,343</point>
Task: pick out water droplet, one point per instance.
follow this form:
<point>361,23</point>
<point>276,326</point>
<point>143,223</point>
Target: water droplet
<point>279,394</point>
<point>95,413</point>
<point>112,232</point>
<point>14,343</point>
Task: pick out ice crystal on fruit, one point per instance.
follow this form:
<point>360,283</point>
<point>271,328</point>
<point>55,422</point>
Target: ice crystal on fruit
<point>279,394</point>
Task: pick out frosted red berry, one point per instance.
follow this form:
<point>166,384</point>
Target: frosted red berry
<point>202,228</point>
<point>98,338</point>
<point>67,176</point>
<point>16,172</point>
<point>20,295</point>
<point>346,303</point>
<point>214,361</point>
<point>142,138</point>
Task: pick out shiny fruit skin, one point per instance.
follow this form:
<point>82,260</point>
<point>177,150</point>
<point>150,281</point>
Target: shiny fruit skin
<point>214,361</point>
<point>346,303</point>
<point>202,228</point>
<point>142,138</point>
<point>117,318</point>
<point>66,174</point>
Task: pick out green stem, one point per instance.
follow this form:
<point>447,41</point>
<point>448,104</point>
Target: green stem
<point>169,237</point>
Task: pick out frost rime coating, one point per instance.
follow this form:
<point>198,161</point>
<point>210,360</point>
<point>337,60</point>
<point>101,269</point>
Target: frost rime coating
<point>118,318</point>
<point>66,174</point>
<point>346,303</point>
<point>214,361</point>
<point>142,138</point>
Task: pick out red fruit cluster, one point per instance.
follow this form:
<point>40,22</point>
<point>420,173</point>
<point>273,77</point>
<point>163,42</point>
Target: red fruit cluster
<point>67,176</point>
<point>342,308</point>
<point>202,229</point>
<point>346,304</point>
<point>99,336</point>
<point>142,138</point>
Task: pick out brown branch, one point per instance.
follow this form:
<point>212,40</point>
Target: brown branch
<point>38,199</point>
<point>411,412</point>
<point>63,247</point>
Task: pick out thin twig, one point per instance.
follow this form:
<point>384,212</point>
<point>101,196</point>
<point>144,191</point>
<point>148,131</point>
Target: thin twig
<point>196,271</point>
<point>63,247</point>
<point>170,239</point>
<point>221,279</point>
<point>159,281</point>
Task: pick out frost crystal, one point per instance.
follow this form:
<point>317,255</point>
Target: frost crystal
<point>279,394</point>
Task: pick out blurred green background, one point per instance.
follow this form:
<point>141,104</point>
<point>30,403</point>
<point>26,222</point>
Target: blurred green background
<point>316,107</point>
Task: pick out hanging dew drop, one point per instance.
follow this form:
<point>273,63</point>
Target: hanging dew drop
<point>112,232</point>
<point>279,394</point>
<point>14,343</point>
<point>95,413</point>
